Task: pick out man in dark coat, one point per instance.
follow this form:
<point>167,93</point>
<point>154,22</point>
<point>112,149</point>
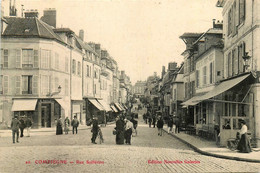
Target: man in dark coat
<point>94,130</point>
<point>160,126</point>
<point>75,124</point>
<point>154,121</point>
<point>21,126</point>
<point>120,130</point>
<point>15,129</point>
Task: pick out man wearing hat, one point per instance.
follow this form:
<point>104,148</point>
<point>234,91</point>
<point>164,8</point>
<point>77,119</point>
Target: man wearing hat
<point>15,128</point>
<point>94,130</point>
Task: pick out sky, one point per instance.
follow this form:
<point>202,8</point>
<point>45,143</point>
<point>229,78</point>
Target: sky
<point>141,35</point>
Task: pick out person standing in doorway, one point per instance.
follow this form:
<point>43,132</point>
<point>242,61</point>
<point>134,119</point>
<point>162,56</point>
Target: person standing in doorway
<point>21,126</point>
<point>15,129</point>
<point>75,124</point>
<point>28,124</point>
<point>94,130</point>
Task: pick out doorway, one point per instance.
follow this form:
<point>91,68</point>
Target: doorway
<point>46,115</point>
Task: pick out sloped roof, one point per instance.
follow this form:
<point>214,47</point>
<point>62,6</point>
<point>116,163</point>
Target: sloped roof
<point>29,27</point>
<point>190,34</point>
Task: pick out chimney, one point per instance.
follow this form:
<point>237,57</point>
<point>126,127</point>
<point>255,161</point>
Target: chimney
<point>49,17</point>
<point>31,13</point>
<point>97,49</point>
<point>81,34</point>
<point>218,24</point>
<point>163,71</point>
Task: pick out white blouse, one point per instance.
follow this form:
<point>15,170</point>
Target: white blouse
<point>129,125</point>
<point>243,130</point>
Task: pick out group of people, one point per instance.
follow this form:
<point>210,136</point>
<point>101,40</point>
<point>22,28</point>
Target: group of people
<point>19,125</point>
<point>124,129</point>
<point>74,124</point>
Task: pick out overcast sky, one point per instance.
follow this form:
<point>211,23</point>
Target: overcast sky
<point>141,35</point>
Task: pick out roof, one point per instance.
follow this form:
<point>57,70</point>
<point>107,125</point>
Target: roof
<point>83,45</point>
<point>29,27</point>
<point>209,31</point>
<point>190,34</point>
<point>63,30</point>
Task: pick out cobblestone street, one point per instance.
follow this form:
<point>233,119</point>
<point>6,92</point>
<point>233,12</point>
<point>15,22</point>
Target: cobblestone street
<point>79,153</point>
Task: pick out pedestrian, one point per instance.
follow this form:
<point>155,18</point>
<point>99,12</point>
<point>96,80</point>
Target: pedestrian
<point>66,125</point>
<point>21,126</point>
<point>120,130</point>
<point>177,125</point>
<point>170,125</point>
<point>94,130</point>
<point>244,143</point>
<point>160,126</point>
<point>15,128</point>
<point>59,127</point>
<point>75,124</point>
<point>154,121</point>
<point>150,121</point>
<point>28,124</point>
<point>128,131</point>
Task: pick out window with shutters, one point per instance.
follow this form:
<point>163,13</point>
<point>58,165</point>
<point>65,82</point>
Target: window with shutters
<point>57,61</point>
<point>36,59</point>
<point>45,58</point>
<point>1,85</point>
<point>6,85</point>
<point>18,85</point>
<point>18,58</point>
<point>4,61</point>
<point>204,75</point>
<point>242,11</point>
<point>211,72</point>
<point>79,68</point>
<point>197,78</point>
<point>241,52</point>
<point>26,84</point>
<point>73,66</point>
<point>35,85</point>
<point>229,64</point>
<point>27,58</point>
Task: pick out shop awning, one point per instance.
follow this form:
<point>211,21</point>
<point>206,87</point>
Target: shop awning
<point>191,102</point>
<point>105,105</point>
<point>114,109</point>
<point>96,104</point>
<point>122,107</point>
<point>118,107</point>
<point>24,104</point>
<point>222,87</point>
<point>64,106</point>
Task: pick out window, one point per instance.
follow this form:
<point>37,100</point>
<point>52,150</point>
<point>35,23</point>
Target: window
<point>66,64</point>
<point>175,94</point>
<point>241,52</point>
<point>1,84</point>
<point>73,66</point>
<point>211,73</point>
<point>57,61</point>
<point>242,11</point>
<point>197,78</point>
<point>66,87</point>
<point>79,68</point>
<point>45,58</point>
<point>229,64</point>
<point>88,70</point>
<point>95,89</point>
<point>204,75</point>
<point>4,61</point>
<point>26,84</point>
<point>27,58</point>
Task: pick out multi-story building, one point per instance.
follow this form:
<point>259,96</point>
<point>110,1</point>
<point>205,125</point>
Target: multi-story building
<point>138,88</point>
<point>240,88</point>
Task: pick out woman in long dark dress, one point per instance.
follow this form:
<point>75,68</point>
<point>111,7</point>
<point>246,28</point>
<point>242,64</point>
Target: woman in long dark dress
<point>120,130</point>
<point>59,127</point>
<point>244,143</point>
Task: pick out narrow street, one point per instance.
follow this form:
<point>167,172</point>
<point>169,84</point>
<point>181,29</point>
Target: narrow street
<point>146,149</point>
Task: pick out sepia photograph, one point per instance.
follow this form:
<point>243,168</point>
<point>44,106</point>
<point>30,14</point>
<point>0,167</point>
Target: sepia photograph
<point>131,86</point>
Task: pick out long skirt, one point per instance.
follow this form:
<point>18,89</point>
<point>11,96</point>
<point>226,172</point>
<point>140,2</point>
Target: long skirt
<point>59,130</point>
<point>244,144</point>
<point>120,137</point>
<point>128,134</point>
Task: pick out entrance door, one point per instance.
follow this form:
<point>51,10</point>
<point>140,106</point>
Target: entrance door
<point>46,115</point>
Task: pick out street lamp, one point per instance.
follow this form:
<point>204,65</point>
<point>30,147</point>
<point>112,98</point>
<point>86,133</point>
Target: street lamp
<point>246,58</point>
<point>55,93</point>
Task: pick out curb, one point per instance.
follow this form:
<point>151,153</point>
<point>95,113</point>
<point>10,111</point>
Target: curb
<point>212,154</point>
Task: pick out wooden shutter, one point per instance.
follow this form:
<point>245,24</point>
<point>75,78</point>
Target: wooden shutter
<point>35,84</point>
<point>6,84</point>
<point>18,58</point>
<point>17,84</point>
<point>36,59</point>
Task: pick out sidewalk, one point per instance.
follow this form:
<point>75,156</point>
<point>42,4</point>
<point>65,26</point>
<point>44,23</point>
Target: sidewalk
<point>43,131</point>
<point>210,148</point>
